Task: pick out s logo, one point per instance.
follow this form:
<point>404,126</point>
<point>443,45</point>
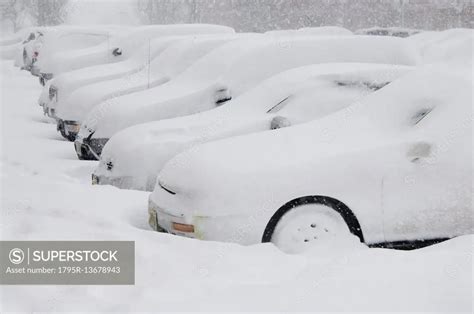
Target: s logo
<point>16,256</point>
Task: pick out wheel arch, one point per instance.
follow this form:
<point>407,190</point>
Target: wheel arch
<point>346,213</point>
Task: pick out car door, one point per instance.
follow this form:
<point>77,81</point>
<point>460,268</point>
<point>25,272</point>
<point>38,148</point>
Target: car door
<point>428,195</point>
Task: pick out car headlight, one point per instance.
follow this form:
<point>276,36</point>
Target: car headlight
<point>53,93</point>
<point>73,127</point>
<point>95,179</point>
<point>47,76</point>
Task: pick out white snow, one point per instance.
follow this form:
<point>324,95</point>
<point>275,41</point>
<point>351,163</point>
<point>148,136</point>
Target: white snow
<point>453,46</point>
<point>235,67</point>
<point>46,194</point>
<point>380,132</point>
<point>150,66</point>
<point>314,94</point>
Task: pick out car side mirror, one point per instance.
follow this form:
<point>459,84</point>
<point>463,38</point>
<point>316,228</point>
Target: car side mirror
<point>279,122</point>
<point>222,96</point>
<point>117,52</point>
<point>419,150</point>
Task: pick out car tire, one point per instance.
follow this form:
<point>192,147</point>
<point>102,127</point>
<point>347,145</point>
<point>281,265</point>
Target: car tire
<point>303,221</point>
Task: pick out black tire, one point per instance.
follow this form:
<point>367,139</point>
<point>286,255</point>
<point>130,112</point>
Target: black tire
<point>341,208</point>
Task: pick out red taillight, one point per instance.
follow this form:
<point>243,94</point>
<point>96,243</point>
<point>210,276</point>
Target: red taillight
<point>183,227</point>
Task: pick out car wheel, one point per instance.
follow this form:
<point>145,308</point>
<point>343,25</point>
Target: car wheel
<point>307,225</point>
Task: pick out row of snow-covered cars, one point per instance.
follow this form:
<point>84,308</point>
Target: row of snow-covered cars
<point>292,137</point>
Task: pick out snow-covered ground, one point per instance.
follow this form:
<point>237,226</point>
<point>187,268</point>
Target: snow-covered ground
<point>46,195</point>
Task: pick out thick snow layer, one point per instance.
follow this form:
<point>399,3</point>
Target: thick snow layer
<point>64,41</point>
<point>127,39</point>
<point>9,51</point>
<point>67,84</point>
<point>310,92</point>
<point>169,57</point>
<point>454,46</point>
<point>415,129</point>
<point>46,194</point>
<point>234,68</point>
<point>318,31</point>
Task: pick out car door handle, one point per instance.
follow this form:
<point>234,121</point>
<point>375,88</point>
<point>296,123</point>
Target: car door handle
<point>419,150</point>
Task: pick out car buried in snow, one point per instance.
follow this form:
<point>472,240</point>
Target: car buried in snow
<point>226,73</point>
<point>388,31</point>
<point>59,92</point>
<point>394,169</point>
<point>111,44</point>
<point>57,41</point>
<point>134,156</point>
<point>151,66</point>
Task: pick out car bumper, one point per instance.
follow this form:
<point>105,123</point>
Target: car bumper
<point>89,149</point>
<point>232,228</point>
<point>67,128</point>
<point>161,221</point>
<point>50,112</point>
<point>34,71</point>
<point>46,76</point>
<point>123,182</point>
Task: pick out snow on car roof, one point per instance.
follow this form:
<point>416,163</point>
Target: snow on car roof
<point>322,31</point>
<point>325,30</point>
<point>182,54</point>
<point>424,104</point>
<point>452,46</point>
<point>286,53</point>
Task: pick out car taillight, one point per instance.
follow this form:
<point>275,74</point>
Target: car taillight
<point>183,227</point>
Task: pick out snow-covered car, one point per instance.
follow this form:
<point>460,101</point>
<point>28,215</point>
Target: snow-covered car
<point>388,31</point>
<point>289,98</point>
<point>452,46</point>
<point>151,66</point>
<point>11,47</point>
<point>28,50</point>
<point>65,40</point>
<point>117,44</point>
<point>59,90</point>
<point>229,71</point>
<point>393,169</point>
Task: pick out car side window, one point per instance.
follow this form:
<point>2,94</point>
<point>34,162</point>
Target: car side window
<point>282,103</point>
<point>222,96</point>
<point>420,115</point>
